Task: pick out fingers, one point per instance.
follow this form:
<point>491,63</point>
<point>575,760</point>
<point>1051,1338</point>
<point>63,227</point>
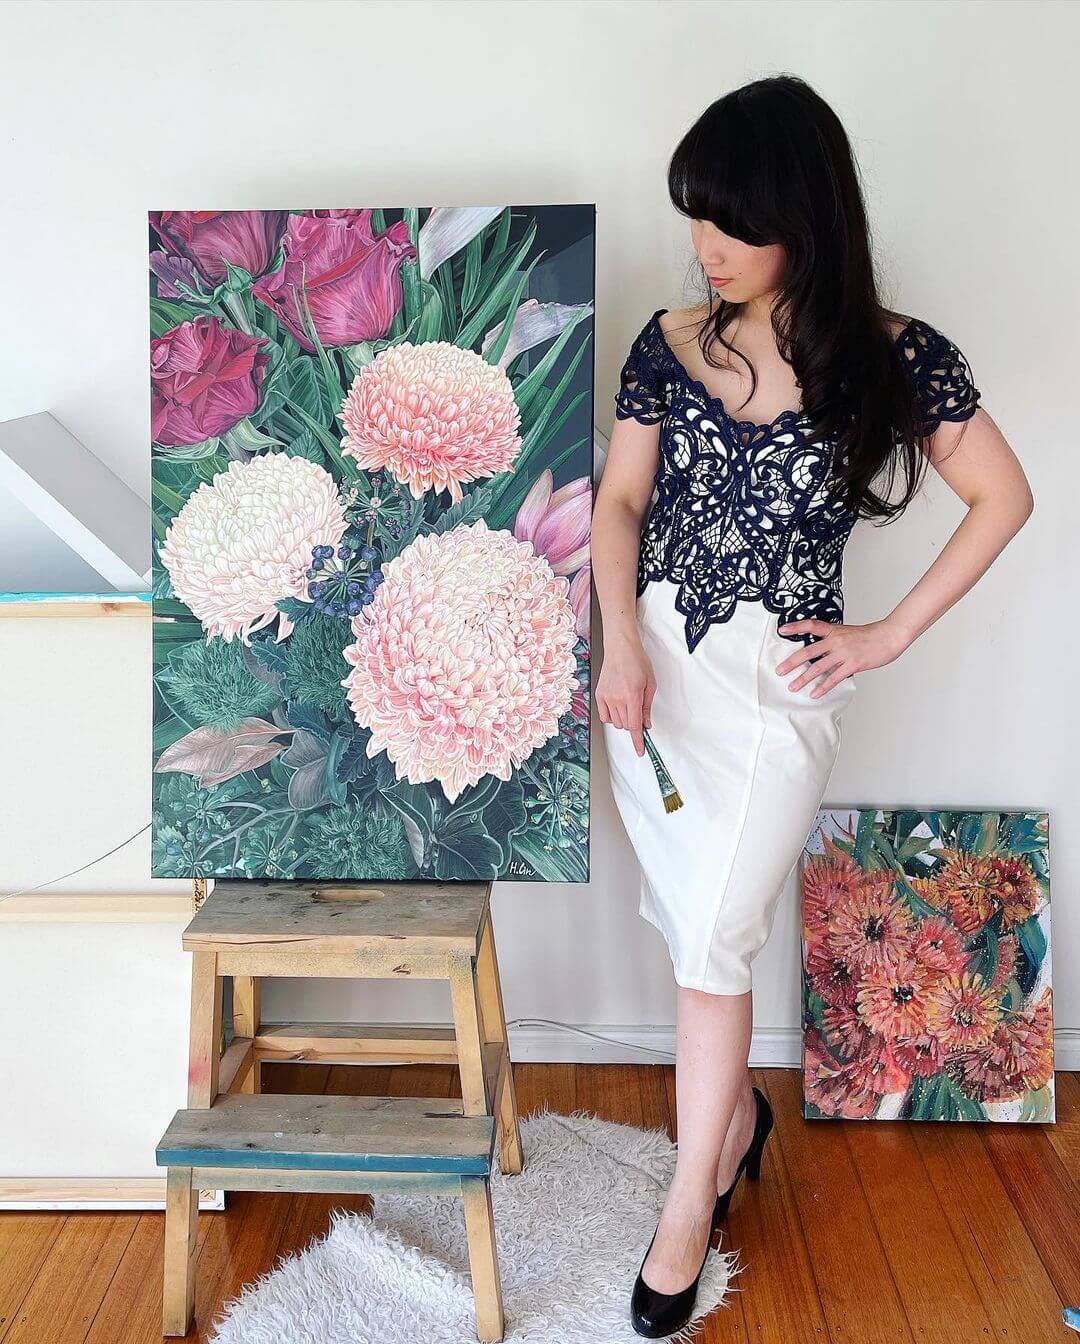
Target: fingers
<point>836,675</point>
<point>646,704</point>
<point>810,627</point>
<point>803,655</point>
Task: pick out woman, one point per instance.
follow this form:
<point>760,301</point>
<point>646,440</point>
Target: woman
<point>768,419</point>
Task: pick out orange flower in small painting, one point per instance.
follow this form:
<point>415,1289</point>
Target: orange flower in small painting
<point>832,1087</point>
<point>892,999</point>
<point>872,927</point>
<point>1022,1045</point>
<point>827,880</point>
<point>962,1011</point>
<point>878,1070</point>
<point>1017,889</point>
<point>1006,962</point>
<point>831,974</point>
<point>845,1029</point>
<point>937,946</point>
<point>929,889</point>
<point>922,1056</point>
<point>970,883</point>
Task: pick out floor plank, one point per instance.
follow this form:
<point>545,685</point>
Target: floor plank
<point>1004,1265</point>
<point>73,1279</point>
<point>25,1242</point>
<point>1046,1195</point>
<point>856,1233</point>
<point>777,1290</point>
<point>940,1301</point>
<point>837,1223</point>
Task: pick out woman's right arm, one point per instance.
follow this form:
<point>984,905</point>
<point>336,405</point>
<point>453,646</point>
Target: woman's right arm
<point>626,685</point>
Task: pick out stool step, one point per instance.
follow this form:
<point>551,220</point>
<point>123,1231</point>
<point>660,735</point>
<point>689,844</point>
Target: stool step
<point>318,1133</point>
<point>408,917</point>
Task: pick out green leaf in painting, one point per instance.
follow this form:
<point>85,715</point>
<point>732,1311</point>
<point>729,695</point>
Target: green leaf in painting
<point>463,850</point>
<point>1032,943</point>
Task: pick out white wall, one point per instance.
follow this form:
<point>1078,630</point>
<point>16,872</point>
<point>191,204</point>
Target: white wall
<point>964,119</point>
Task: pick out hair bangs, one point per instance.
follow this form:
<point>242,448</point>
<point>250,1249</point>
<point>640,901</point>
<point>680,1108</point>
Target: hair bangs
<point>715,174</point>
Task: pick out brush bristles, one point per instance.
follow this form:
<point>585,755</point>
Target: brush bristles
<point>672,801</point>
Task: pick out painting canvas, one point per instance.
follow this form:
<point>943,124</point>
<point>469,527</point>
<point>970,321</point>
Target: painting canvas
<point>926,966</point>
<point>372,480</point>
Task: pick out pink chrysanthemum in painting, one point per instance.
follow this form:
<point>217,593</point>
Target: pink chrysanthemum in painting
<point>433,415</point>
<point>240,545</point>
<point>926,967</point>
<point>464,663</point>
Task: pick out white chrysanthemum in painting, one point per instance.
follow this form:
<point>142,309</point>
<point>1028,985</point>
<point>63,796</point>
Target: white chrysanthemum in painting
<point>464,662</point>
<point>244,541</point>
<point>433,415</point>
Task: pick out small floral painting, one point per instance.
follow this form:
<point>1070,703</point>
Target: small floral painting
<point>372,487</point>
<point>926,966</point>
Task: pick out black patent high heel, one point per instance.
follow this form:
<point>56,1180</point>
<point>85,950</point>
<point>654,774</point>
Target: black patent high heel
<point>655,1314</point>
<point>751,1159</point>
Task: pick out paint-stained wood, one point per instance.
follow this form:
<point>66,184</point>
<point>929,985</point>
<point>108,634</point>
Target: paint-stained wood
<point>406,917</point>
<point>330,1134</point>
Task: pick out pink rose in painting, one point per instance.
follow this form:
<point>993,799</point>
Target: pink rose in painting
<point>464,662</point>
<point>433,416</point>
<point>210,238</point>
<point>557,521</point>
<point>336,270</point>
<point>204,378</point>
<point>243,542</point>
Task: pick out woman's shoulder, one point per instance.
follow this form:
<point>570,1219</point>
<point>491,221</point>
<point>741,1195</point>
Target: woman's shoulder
<point>943,383</point>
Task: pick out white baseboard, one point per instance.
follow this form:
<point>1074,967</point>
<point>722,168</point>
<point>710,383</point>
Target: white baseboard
<point>771,1047</point>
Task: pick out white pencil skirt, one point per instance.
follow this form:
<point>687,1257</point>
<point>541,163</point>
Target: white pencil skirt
<point>751,760</point>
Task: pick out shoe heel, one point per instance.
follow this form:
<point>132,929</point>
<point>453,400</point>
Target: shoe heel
<point>753,1165</point>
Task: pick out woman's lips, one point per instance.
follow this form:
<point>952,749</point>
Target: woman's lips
<point>717,281</point>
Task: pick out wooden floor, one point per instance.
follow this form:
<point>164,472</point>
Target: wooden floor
<point>856,1234</point>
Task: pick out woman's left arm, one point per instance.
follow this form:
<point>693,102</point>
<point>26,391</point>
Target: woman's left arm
<point>975,460</point>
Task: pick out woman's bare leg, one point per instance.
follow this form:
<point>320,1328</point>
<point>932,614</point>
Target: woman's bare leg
<point>715,1124</point>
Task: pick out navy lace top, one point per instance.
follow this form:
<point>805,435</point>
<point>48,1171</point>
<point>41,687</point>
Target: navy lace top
<point>743,512</point>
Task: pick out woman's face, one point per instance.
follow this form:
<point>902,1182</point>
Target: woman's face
<point>737,272</point>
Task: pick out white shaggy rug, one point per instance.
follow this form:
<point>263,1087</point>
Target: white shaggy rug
<point>571,1231</point>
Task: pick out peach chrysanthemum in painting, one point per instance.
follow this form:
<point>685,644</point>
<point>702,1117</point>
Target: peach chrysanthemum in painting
<point>464,662</point>
<point>433,415</point>
<point>244,541</point>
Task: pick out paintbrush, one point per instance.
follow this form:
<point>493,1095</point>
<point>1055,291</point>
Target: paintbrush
<point>668,791</point>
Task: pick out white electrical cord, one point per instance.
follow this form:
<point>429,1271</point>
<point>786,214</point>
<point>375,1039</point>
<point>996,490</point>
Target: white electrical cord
<point>515,1022</point>
<point>10,895</point>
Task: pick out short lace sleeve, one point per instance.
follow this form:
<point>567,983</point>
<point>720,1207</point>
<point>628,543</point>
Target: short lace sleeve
<point>943,385</point>
<point>642,393</point>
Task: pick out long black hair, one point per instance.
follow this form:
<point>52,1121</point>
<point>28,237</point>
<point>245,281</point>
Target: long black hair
<point>771,163</point>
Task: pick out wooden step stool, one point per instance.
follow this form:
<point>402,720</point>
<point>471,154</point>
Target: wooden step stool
<point>234,1137</point>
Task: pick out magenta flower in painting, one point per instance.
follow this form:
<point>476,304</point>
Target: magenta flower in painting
<point>243,542</point>
<point>557,521</point>
<point>433,416</point>
<point>204,378</point>
<point>338,277</point>
<point>464,661</point>
<point>210,238</point>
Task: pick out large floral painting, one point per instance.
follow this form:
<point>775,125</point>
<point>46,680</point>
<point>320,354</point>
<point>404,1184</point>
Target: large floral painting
<point>371,470</point>
<point>926,966</point>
